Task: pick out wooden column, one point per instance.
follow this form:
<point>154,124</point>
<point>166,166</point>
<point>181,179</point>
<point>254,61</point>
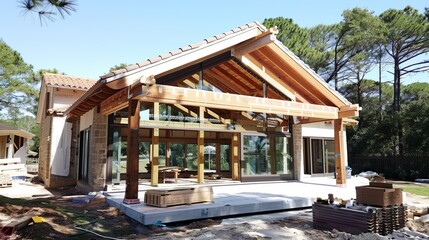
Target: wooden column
<point>340,167</point>
<point>131,190</point>
<point>234,156</point>
<point>200,166</point>
<point>154,158</point>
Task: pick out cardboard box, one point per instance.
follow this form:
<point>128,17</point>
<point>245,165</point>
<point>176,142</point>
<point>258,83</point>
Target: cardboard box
<point>377,196</point>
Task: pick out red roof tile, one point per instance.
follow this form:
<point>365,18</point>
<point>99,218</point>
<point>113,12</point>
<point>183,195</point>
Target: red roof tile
<point>65,81</point>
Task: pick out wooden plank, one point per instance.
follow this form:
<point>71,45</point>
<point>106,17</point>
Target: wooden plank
<point>340,166</point>
<point>154,157</point>
<point>200,166</point>
<point>131,190</point>
<point>234,102</point>
<point>10,161</point>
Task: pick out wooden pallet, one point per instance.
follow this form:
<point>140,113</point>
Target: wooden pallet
<point>178,196</point>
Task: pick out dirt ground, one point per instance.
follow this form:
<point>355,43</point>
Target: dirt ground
<point>67,217</point>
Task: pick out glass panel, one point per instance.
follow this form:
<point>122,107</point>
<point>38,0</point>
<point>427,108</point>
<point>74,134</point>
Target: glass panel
<point>210,156</point>
<point>144,156</point>
<point>225,158</point>
<point>177,157</point>
<point>162,153</point>
<point>192,156</point>
<point>255,156</point>
<point>317,155</point>
<point>330,155</point>
<point>283,159</point>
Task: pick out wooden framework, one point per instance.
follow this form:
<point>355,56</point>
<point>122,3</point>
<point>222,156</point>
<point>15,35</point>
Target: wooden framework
<point>246,71</point>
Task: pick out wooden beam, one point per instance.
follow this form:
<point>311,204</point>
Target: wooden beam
<point>131,190</point>
<point>340,167</point>
<point>274,81</point>
<point>234,102</point>
<point>154,157</point>
<point>349,111</point>
<point>235,156</point>
<point>115,102</point>
<point>306,74</point>
<point>200,166</point>
<point>254,45</point>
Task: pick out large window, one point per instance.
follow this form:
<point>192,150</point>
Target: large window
<point>263,155</point>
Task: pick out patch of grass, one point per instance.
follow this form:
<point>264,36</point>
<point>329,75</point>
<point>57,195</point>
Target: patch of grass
<point>422,191</point>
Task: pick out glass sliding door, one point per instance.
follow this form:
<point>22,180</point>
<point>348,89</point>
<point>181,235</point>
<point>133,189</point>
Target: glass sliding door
<point>317,156</point>
<point>210,156</point>
<point>329,156</point>
<point>256,160</point>
<point>84,147</point>
<point>225,158</point>
<point>283,158</point>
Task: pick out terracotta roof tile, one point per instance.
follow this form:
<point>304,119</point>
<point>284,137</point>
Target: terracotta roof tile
<point>220,36</point>
<point>175,52</point>
<point>132,67</point>
<point>143,63</point>
<point>165,55</point>
<point>198,44</point>
<point>186,48</point>
<point>119,71</point>
<point>58,80</point>
<point>236,30</point>
<point>211,39</point>
<point>155,59</point>
<point>110,74</point>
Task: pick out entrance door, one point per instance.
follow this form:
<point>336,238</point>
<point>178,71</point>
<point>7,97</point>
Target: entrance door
<point>84,154</point>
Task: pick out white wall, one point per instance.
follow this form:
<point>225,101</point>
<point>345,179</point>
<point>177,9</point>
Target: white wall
<point>65,97</point>
<point>320,129</point>
<point>60,146</point>
<point>86,120</point>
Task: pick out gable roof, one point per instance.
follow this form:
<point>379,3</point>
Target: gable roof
<point>50,80</point>
<point>65,81</point>
<point>246,57</point>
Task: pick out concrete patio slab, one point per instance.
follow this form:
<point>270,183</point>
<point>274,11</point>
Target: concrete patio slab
<point>236,198</point>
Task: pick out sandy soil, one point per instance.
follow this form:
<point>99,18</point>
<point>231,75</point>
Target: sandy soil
<point>63,214</point>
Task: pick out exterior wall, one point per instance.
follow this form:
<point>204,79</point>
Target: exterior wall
<point>98,158</point>
<point>323,130</point>
<point>65,97</point>
<point>298,151</point>
<point>44,150</point>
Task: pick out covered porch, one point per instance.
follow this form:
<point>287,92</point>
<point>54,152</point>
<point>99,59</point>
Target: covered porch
<point>241,90</point>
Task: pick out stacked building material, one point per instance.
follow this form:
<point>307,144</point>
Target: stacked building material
<point>178,196</point>
<point>360,219</point>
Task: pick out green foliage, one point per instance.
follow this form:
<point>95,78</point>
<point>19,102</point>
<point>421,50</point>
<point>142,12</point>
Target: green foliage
<point>17,83</point>
<point>117,67</point>
<point>422,191</point>
<point>290,34</point>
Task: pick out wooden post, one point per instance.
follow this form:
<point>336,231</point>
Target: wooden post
<point>234,156</point>
<point>154,158</point>
<point>340,168</point>
<point>200,166</point>
<point>131,190</point>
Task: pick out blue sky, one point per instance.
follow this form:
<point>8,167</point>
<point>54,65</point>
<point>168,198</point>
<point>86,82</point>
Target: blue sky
<point>102,34</point>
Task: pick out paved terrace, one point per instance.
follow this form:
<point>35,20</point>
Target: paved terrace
<point>235,198</point>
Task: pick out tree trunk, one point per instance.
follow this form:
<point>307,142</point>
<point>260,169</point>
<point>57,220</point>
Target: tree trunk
<point>397,107</point>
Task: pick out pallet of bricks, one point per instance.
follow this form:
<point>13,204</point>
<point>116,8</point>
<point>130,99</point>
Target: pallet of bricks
<point>379,209</point>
